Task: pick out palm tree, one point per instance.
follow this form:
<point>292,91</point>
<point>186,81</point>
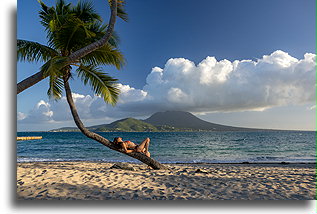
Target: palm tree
<point>117,9</point>
<point>74,35</point>
<point>69,29</point>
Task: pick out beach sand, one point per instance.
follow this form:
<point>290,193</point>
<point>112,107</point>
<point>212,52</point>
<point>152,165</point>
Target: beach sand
<point>96,181</point>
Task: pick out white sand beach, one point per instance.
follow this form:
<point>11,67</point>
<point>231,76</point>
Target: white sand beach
<point>96,181</point>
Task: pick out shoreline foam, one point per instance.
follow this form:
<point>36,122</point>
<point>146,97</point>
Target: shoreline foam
<point>41,160</point>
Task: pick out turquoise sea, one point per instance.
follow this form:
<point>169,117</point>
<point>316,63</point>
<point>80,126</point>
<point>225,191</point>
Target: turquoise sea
<point>175,147</point>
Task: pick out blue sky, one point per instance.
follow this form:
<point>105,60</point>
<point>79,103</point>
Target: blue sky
<point>176,36</point>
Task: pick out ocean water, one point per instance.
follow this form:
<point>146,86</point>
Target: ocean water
<point>175,147</point>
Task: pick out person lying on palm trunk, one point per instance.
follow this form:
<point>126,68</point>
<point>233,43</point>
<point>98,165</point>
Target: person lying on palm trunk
<point>129,146</point>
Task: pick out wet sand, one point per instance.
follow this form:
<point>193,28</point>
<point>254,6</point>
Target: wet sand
<point>96,181</point>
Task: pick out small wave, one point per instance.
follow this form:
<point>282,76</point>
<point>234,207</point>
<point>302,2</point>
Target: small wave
<point>26,160</point>
<point>238,140</point>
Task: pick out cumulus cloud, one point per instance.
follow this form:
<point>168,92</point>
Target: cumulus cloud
<point>21,116</point>
<point>274,80</point>
<point>89,108</point>
<point>40,113</point>
<point>55,111</point>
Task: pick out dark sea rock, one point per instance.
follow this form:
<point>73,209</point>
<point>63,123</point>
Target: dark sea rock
<point>201,171</point>
<point>124,166</point>
<point>284,163</point>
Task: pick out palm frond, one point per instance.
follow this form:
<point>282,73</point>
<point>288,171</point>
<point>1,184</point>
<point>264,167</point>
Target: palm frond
<point>95,31</point>
<point>105,55</point>
<point>50,16</point>
<point>101,83</point>
<point>70,28</point>
<point>54,66</point>
<point>114,39</point>
<point>33,51</point>
<point>55,70</point>
<point>45,14</point>
<point>56,85</point>
<point>86,12</point>
<point>100,30</point>
<point>73,34</point>
<point>53,18</point>
<point>62,8</point>
<point>120,9</point>
<point>74,30</point>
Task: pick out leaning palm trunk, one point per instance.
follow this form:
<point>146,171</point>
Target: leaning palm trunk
<point>140,156</point>
<point>77,55</point>
<point>30,81</point>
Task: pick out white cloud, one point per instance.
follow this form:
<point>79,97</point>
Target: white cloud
<point>130,94</point>
<point>274,80</point>
<point>40,113</point>
<point>21,116</point>
<point>89,108</point>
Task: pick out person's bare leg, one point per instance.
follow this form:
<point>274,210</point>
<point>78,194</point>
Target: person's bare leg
<point>144,146</point>
<point>148,154</point>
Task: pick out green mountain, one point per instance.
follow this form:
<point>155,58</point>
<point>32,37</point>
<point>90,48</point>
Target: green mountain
<point>170,121</point>
<point>186,120</point>
<point>126,125</point>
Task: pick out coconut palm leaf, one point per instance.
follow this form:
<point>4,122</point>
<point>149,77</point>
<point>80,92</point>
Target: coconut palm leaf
<point>52,17</point>
<point>102,84</point>
<point>54,20</point>
<point>62,7</point>
<point>56,86</point>
<point>120,10</point>
<point>72,34</point>
<point>114,39</point>
<point>63,22</point>
<point>33,51</point>
<point>100,30</point>
<point>55,69</point>
<point>76,34</point>
<point>54,66</point>
<point>86,12</point>
<point>104,56</point>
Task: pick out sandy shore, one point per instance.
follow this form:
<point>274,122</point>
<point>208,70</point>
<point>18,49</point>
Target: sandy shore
<point>95,181</point>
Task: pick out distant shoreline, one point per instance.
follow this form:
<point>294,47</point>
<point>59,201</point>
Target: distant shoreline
<point>259,130</point>
<point>246,163</point>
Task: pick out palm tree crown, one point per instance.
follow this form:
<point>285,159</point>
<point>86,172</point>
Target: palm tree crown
<point>70,28</point>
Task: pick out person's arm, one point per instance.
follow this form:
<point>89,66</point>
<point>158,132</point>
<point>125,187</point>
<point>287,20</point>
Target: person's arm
<point>125,149</point>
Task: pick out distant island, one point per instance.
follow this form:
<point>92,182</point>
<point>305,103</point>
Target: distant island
<point>169,121</point>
